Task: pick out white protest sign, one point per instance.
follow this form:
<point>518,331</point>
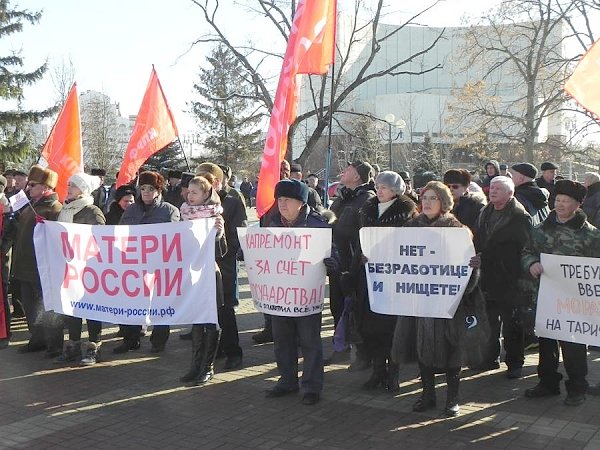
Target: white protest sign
<point>568,304</point>
<point>285,268</point>
<point>159,274</point>
<point>420,272</point>
<point>19,200</point>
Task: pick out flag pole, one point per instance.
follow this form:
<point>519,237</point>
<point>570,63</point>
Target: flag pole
<point>183,152</point>
<point>329,152</point>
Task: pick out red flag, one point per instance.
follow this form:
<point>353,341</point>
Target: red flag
<point>63,149</point>
<point>154,129</point>
<point>584,83</point>
<point>309,50</point>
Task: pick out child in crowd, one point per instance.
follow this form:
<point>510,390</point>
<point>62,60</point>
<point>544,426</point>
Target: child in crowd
<point>204,202</point>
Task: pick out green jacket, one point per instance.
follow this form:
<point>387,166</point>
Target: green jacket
<point>577,237</point>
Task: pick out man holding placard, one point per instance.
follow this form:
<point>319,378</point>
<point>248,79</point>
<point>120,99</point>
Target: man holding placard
<point>565,232</point>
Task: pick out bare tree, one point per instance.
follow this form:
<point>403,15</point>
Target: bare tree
<point>516,66</point>
<point>364,37</point>
<point>104,138</point>
<point>63,77</point>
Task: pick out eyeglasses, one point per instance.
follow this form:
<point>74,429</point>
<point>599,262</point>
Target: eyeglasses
<point>147,188</point>
<point>454,186</point>
<point>32,184</point>
<point>427,198</point>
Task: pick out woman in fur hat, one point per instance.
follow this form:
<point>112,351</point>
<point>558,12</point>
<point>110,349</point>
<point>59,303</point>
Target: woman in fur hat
<point>79,208</point>
<point>439,342</point>
<point>390,208</point>
<point>149,207</point>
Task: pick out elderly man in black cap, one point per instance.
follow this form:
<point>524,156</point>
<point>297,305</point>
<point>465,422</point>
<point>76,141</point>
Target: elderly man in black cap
<point>357,188</point>
<point>172,192</point>
<point>409,192</point>
<point>565,232</point>
<point>548,179</point>
<point>527,192</point>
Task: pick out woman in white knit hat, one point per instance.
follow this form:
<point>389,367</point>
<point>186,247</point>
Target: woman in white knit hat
<point>79,208</point>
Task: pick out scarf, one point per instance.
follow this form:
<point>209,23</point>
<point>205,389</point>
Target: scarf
<point>189,212</point>
<point>73,207</point>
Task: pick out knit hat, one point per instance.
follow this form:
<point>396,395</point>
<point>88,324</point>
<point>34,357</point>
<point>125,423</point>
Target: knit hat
<point>153,179</point>
<point>174,174</point>
<point>391,180</point>
<point>526,169</point>
<point>571,188</point>
<point>442,192</point>
<point>548,166</point>
<point>364,169</point>
<point>405,175</point>
<point>124,190</point>
<point>295,167</point>
<point>457,176</point>
<point>86,183</point>
<point>211,168</point>
<point>292,189</point>
<point>39,174</point>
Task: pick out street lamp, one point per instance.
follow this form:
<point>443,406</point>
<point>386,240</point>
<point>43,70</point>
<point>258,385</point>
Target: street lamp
<point>391,121</point>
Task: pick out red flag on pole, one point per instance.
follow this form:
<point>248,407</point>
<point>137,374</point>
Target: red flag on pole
<point>310,49</point>
<point>584,83</point>
<point>63,149</point>
<point>154,129</point>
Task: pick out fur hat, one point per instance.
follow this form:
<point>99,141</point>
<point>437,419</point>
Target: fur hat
<point>457,176</point>
<point>571,188</point>
<point>124,190</point>
<point>86,183</point>
<point>364,169</point>
<point>153,179</point>
<point>99,172</point>
<point>292,189</point>
<point>548,166</point>
<point>442,192</point>
<point>174,174</point>
<point>39,174</point>
<point>211,168</point>
<point>391,180</point>
<point>526,169</point>
<point>185,179</point>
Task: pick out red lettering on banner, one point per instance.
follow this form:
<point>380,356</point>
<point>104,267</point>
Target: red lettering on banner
<point>92,250</point>
<point>128,292</point>
<point>174,282</point>
<point>148,244</point>
<point>70,274</point>
<point>152,279</point>
<point>125,248</point>
<point>175,246</point>
<point>110,243</point>
<point>105,288</point>
<point>67,246</point>
<point>94,276</point>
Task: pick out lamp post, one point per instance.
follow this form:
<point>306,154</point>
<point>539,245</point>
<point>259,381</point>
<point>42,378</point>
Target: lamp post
<point>391,121</point>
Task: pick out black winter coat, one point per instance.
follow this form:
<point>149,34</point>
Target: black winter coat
<point>468,208</point>
<point>501,249</point>
<point>399,212</point>
<point>591,204</point>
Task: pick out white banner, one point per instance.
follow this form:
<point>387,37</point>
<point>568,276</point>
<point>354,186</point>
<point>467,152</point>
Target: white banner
<point>568,305</point>
<point>420,272</point>
<point>285,268</point>
<point>159,274</point>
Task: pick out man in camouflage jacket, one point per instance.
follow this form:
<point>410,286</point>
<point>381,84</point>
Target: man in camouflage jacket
<point>565,232</point>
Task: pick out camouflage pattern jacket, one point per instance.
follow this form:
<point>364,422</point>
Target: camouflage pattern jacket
<point>577,237</point>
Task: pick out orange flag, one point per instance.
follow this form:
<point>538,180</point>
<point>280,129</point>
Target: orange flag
<point>584,83</point>
<point>63,149</point>
<point>310,49</point>
<point>154,129</point>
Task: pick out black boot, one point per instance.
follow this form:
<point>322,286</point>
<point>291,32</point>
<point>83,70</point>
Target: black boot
<point>427,400</point>
<point>198,350</point>
<point>453,381</point>
<point>378,376</point>
<point>212,336</point>
<point>393,377</point>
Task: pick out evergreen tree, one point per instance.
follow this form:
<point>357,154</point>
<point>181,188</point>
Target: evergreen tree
<point>226,112</point>
<point>169,158</point>
<point>14,139</point>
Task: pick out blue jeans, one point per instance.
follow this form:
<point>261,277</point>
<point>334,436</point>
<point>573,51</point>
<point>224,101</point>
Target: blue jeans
<point>289,333</point>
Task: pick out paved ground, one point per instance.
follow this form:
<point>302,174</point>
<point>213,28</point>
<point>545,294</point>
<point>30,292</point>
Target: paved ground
<point>135,401</point>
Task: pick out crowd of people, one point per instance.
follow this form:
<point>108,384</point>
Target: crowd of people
<point>511,214</point>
